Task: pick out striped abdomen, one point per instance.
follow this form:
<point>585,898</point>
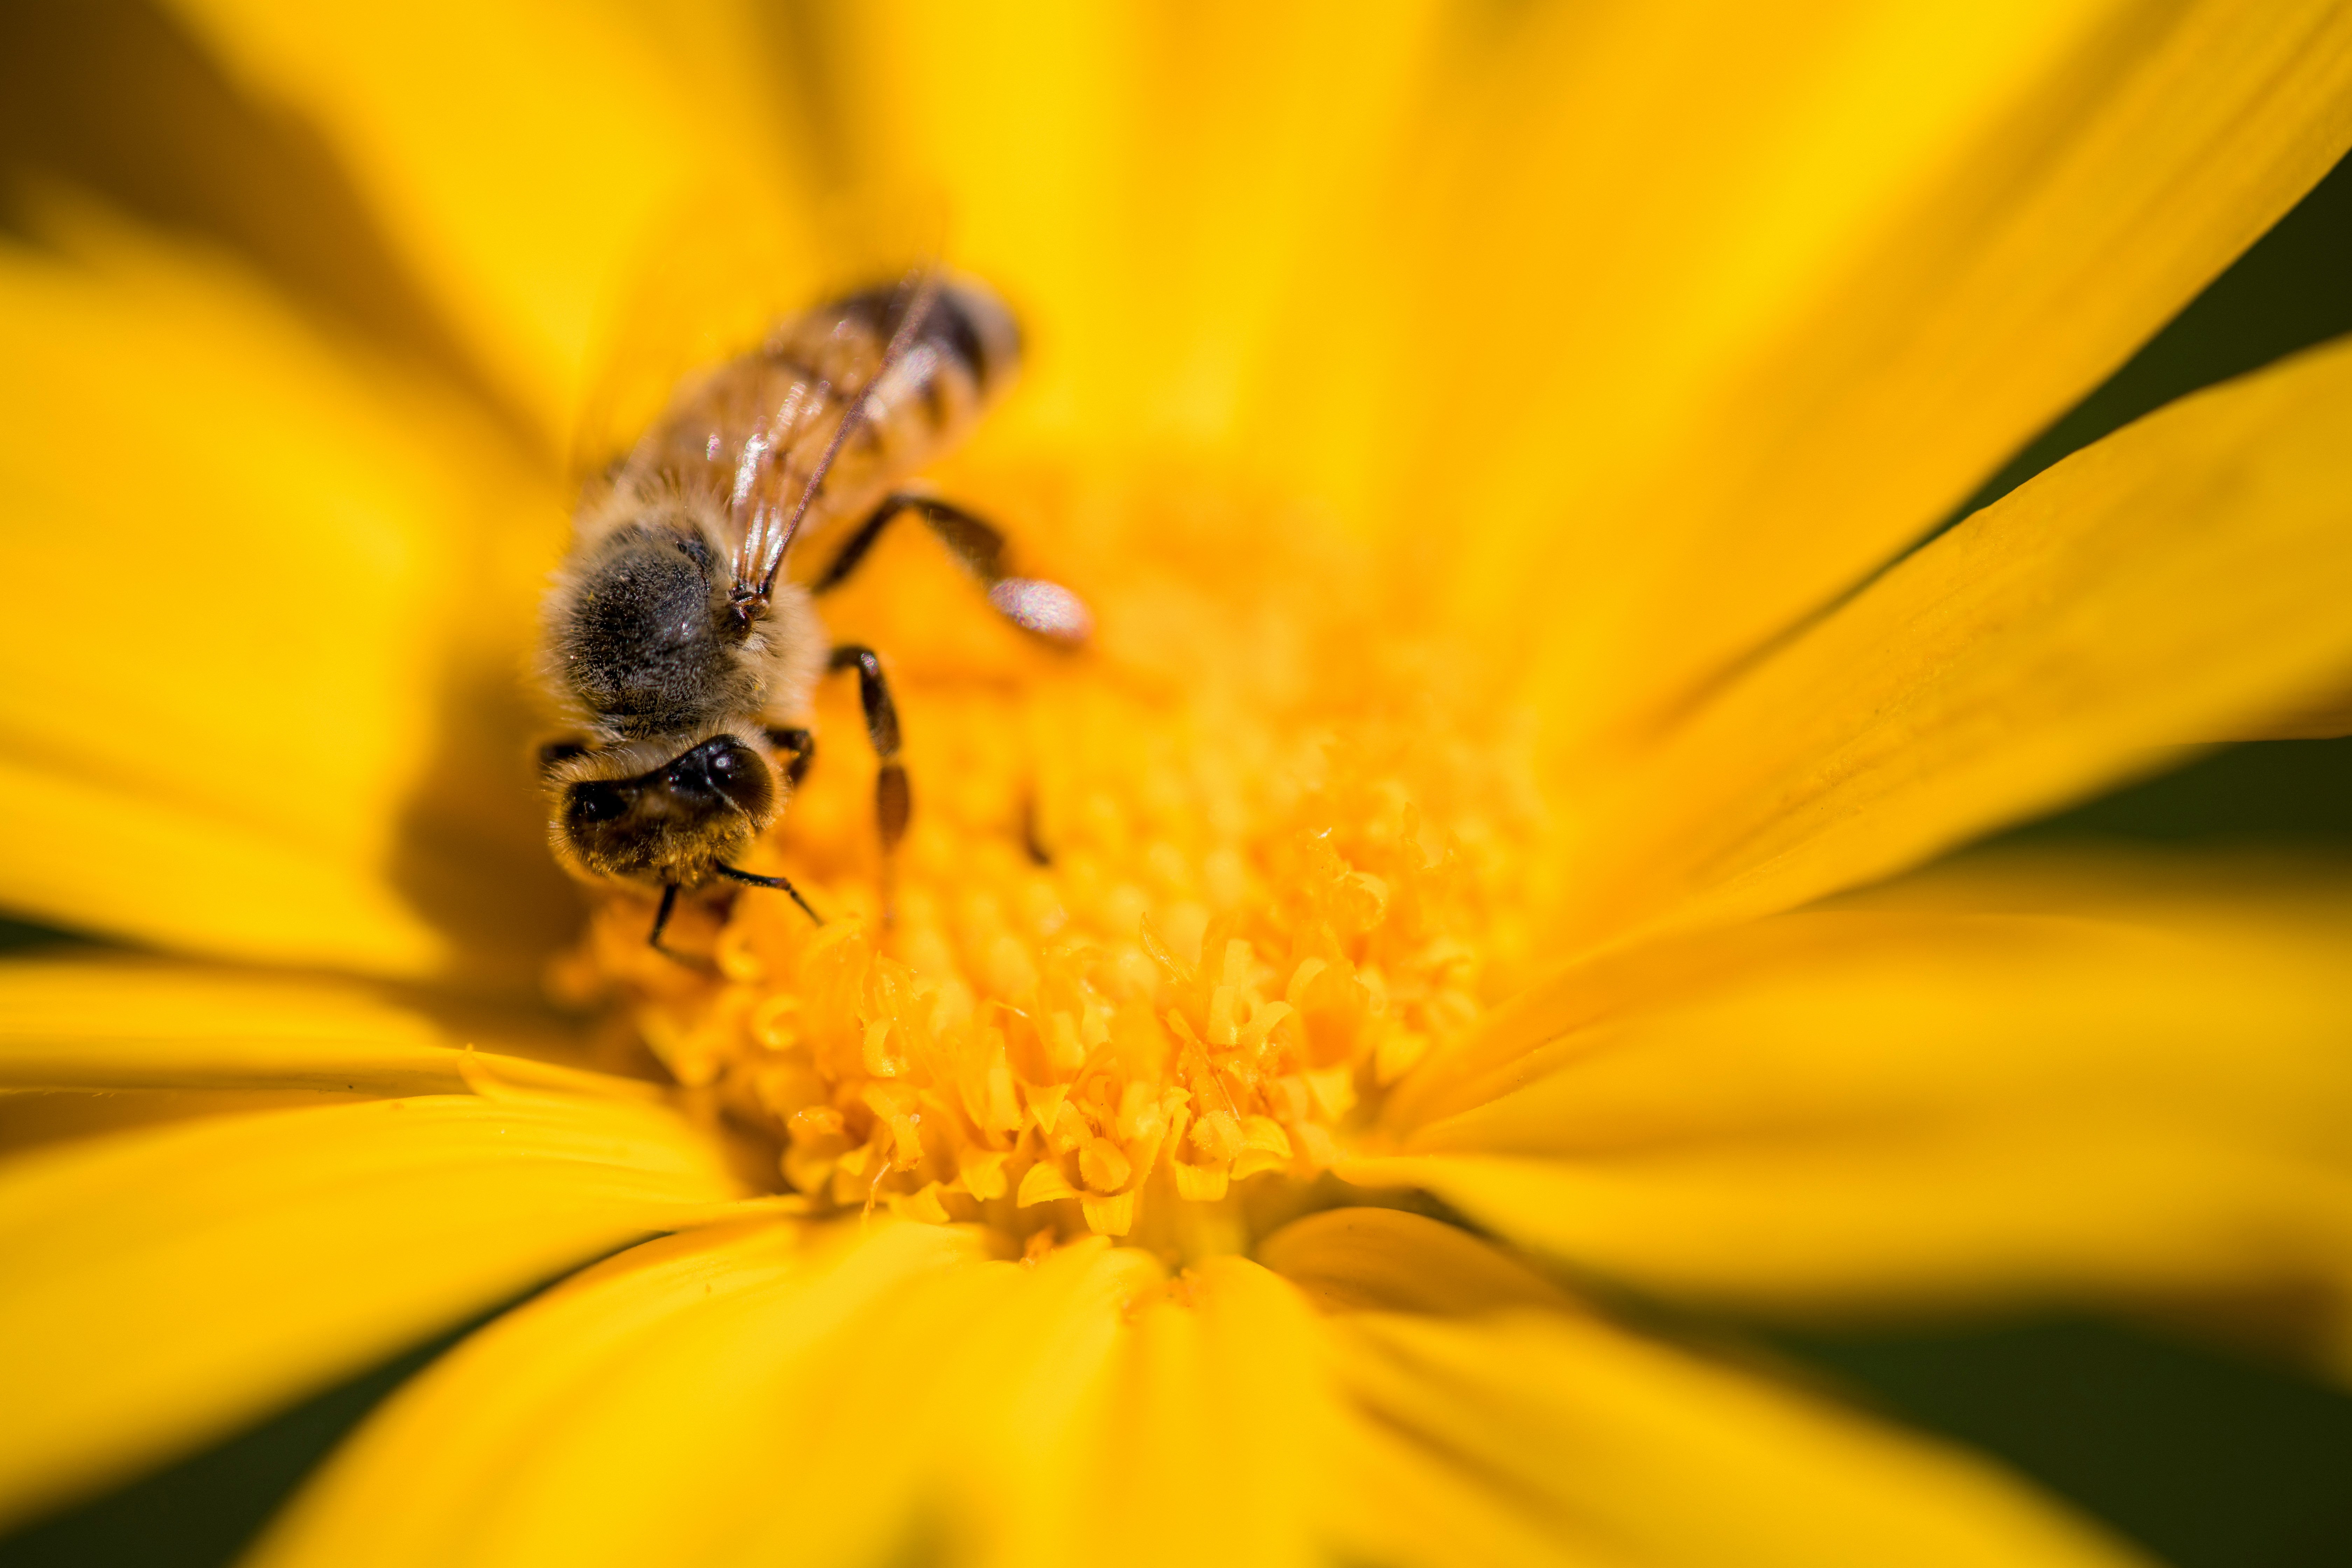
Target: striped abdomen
<point>754,430</point>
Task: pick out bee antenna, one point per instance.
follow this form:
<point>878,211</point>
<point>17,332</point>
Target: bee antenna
<point>919,290</point>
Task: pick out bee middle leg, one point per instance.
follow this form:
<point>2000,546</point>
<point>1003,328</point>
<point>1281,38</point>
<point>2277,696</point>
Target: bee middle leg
<point>894,803</point>
<point>1044,609</point>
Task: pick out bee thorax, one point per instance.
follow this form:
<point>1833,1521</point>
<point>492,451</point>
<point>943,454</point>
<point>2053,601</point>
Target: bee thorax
<point>647,644</point>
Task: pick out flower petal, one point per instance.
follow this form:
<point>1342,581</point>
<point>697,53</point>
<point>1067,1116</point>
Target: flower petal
<point>1415,1508</point>
<point>727,1398</point>
<point>2324,718</point>
<point>1509,1427</point>
<point>2182,577</point>
<point>580,1426</point>
<point>108,1021</point>
<point>1387,1259</point>
<point>169,1282</point>
<point>724,1399</point>
<point>522,155</point>
<point>1443,262</point>
<point>100,1043</point>
<point>295,735</point>
<point>2125,1093</point>
<point>730,1397</point>
<point>1220,1434</point>
<point>1773,292</point>
<point>1152,190</point>
<point>1627,1452</point>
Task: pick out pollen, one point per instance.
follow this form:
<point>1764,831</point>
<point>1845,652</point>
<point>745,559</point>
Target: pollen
<point>1174,912</point>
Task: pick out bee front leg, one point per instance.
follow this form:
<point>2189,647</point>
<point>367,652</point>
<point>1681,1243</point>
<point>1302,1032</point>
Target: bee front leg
<point>661,924</point>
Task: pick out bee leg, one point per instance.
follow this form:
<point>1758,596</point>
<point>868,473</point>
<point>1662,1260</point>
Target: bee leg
<point>661,924</point>
<point>756,881</point>
<point>893,801</point>
<point>800,748</point>
<point>1042,608</point>
<point>1038,854</point>
<point>854,549</point>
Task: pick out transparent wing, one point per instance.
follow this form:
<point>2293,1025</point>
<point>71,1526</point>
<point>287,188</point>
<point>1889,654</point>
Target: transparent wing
<point>714,281</point>
<point>833,378</point>
<point>717,275</point>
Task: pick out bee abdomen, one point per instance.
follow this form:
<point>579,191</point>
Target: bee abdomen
<point>983,332</point>
<point>966,328</point>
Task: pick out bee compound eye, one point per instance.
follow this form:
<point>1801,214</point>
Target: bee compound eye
<point>598,801</point>
<point>733,771</point>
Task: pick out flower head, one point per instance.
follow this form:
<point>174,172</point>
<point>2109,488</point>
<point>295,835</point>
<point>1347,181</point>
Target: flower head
<point>1492,446</point>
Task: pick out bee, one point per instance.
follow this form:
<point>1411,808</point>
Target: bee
<point>681,654</point>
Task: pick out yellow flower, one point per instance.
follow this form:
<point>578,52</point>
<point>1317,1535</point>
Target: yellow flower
<point>1471,425</point>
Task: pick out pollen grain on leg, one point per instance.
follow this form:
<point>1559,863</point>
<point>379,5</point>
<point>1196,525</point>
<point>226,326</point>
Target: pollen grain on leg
<point>1171,917</point>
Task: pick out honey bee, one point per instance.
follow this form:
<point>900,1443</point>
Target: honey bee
<point>681,654</point>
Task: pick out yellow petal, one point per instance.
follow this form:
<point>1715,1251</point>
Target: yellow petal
<point>522,155</point>
<point>1394,1501</point>
<point>1021,1400</point>
<point>732,1397</point>
<point>1387,1259</point>
<point>717,1401</point>
<point>2070,1208</point>
<point>1625,1452</point>
<point>1221,1429</point>
<point>585,1426</point>
<point>2324,718</point>
<point>1413,1508</point>
<point>2124,1093</point>
<point>110,1022</point>
<point>100,1043</point>
<point>167,1283</point>
<point>1152,190</point>
<point>728,1397</point>
<point>2186,573</point>
<point>1767,294</point>
<point>298,734</point>
<point>1511,1429</point>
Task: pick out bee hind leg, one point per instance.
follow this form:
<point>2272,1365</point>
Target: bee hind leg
<point>1044,609</point>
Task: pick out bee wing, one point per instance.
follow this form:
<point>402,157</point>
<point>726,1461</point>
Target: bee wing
<point>719,277</point>
<point>776,482</point>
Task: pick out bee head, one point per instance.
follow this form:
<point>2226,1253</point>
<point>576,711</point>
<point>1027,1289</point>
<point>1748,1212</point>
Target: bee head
<point>676,823</point>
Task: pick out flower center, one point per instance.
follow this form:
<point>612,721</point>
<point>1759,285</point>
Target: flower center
<point>1172,916</point>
